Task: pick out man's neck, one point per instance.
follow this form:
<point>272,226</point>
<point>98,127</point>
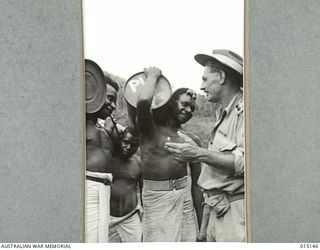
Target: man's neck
<point>91,122</point>
<point>174,124</point>
<point>228,96</point>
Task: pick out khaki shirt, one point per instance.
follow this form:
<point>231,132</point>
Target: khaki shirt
<point>227,136</point>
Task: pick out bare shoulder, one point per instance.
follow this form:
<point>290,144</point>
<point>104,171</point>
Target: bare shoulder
<point>105,138</point>
<point>191,135</point>
<point>92,132</point>
<point>113,129</point>
<point>136,159</point>
<point>136,162</point>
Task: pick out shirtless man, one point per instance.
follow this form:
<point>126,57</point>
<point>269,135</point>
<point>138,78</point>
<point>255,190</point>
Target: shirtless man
<point>125,225</point>
<point>167,202</point>
<point>99,149</point>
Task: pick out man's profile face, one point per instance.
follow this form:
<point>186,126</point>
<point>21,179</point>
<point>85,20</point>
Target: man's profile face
<point>110,102</point>
<point>211,85</point>
<point>129,145</point>
<point>185,106</point>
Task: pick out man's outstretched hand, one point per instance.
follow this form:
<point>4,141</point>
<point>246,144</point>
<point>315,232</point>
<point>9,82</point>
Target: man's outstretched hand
<point>186,151</point>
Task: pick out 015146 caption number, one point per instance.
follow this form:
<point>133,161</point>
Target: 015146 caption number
<point>309,245</point>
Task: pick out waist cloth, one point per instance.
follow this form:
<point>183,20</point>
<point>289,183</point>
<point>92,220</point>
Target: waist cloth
<point>127,228</point>
<point>168,211</point>
<point>166,185</point>
<point>97,207</point>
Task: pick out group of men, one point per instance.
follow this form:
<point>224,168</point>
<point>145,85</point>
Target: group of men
<point>173,190</point>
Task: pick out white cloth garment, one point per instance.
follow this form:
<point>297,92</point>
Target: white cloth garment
<point>97,209</point>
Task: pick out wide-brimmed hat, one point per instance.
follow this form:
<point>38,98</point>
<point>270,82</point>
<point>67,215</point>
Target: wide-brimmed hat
<point>95,87</point>
<point>134,84</point>
<point>225,57</point>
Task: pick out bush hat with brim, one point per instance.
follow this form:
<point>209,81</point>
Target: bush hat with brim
<point>95,87</point>
<point>225,57</point>
<point>134,84</point>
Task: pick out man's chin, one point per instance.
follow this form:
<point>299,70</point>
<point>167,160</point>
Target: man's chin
<point>210,98</point>
<point>104,115</point>
<point>126,155</point>
<point>184,120</point>
<point>108,113</point>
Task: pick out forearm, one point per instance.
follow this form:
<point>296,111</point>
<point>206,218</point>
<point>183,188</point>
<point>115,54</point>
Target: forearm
<point>147,91</point>
<point>140,191</point>
<point>223,161</point>
<point>197,202</point>
<point>230,162</point>
<point>132,116</point>
<point>145,97</point>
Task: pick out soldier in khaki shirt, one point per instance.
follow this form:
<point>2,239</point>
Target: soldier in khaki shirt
<point>222,174</point>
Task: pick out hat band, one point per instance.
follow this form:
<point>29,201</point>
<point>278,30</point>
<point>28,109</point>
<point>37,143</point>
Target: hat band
<point>229,62</point>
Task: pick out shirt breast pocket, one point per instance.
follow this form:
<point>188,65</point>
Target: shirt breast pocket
<point>222,143</point>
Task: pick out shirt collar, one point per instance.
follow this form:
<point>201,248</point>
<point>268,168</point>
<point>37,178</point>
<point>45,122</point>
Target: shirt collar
<point>236,102</point>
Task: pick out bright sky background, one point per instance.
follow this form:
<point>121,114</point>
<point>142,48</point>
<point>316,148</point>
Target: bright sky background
<point>124,36</point>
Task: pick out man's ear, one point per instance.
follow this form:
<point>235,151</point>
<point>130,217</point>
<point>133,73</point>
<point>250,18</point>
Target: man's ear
<point>222,76</point>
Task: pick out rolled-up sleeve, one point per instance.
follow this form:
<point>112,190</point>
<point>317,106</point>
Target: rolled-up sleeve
<point>239,151</point>
<point>238,161</point>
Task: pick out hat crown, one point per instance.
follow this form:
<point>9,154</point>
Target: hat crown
<point>232,55</point>
<point>225,57</point>
<point>95,87</point>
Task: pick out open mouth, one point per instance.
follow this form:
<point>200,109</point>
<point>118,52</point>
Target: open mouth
<point>125,153</point>
<point>184,115</point>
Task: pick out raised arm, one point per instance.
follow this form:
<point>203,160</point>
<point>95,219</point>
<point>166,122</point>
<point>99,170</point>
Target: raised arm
<point>145,98</point>
<point>132,119</point>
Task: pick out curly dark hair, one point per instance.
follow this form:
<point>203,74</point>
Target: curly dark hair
<point>117,141</point>
<point>111,82</point>
<point>162,115</point>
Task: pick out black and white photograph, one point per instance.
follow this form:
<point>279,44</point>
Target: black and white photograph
<point>159,121</point>
<point>164,121</point>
